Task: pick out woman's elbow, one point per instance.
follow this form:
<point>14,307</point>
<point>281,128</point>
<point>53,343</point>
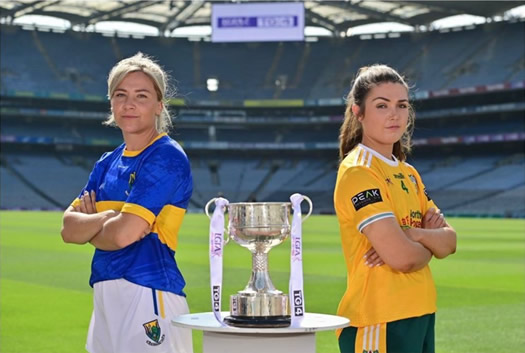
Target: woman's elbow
<point>68,236</point>
<point>405,265</point>
<point>449,251</point>
<point>65,232</point>
<point>121,242</point>
<point>121,239</point>
<point>407,268</point>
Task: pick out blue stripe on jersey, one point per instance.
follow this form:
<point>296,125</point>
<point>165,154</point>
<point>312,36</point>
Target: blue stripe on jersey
<point>155,308</point>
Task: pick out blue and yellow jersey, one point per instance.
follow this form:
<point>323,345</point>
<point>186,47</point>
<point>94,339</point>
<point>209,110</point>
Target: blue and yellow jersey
<point>154,183</point>
<point>371,187</point>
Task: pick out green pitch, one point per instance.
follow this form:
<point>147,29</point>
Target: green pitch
<point>46,303</point>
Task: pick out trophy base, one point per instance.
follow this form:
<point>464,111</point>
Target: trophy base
<point>258,321</point>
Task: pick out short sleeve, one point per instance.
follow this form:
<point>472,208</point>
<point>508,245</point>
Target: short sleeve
<point>362,198</point>
<point>164,178</point>
<point>92,182</point>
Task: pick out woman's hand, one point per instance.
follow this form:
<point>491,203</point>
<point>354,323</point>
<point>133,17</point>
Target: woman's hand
<point>87,203</point>
<point>372,258</point>
<point>81,223</point>
<point>434,219</point>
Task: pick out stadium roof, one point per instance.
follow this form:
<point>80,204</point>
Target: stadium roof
<point>167,15</point>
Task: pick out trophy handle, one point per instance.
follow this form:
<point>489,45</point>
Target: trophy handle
<point>311,207</point>
<point>227,240</point>
<point>208,206</point>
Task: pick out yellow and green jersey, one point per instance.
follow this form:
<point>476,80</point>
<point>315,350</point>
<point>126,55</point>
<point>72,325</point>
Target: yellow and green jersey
<point>371,187</point>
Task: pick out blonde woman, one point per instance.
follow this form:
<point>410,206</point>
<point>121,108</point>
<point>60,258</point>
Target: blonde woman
<point>390,228</point>
<point>131,210</point>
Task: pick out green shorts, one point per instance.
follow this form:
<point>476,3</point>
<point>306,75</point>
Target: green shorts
<point>413,335</point>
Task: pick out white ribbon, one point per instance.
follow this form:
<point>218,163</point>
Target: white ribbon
<point>216,250</point>
<point>296,264</point>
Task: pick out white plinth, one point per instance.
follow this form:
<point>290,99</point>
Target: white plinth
<point>229,339</point>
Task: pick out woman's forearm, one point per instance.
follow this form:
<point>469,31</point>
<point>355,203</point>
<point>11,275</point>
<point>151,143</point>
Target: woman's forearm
<point>440,241</point>
<point>121,231</point>
<point>79,228</point>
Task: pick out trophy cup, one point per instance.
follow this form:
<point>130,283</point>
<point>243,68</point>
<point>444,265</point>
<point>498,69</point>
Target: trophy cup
<point>259,226</point>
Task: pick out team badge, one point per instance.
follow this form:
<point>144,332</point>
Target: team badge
<point>131,181</point>
<point>414,181</point>
<point>153,332</point>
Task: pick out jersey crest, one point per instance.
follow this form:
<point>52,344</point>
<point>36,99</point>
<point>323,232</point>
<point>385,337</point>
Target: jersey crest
<point>153,332</point>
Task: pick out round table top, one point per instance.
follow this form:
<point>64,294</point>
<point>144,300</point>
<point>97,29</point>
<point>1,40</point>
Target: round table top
<point>311,322</point>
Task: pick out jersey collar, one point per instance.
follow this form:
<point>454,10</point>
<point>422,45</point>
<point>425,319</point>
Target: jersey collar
<point>127,153</point>
<point>393,163</point>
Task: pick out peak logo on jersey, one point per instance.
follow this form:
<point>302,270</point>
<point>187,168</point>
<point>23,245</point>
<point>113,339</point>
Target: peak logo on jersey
<point>366,197</point>
<point>153,332</point>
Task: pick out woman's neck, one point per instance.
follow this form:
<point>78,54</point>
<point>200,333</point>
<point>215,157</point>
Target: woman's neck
<point>137,142</point>
<point>384,149</point>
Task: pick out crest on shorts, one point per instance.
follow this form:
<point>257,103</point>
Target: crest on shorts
<point>153,332</point>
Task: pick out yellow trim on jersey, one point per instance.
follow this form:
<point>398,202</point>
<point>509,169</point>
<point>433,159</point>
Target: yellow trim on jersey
<point>168,224</point>
<point>140,211</point>
<point>161,304</point>
<point>102,205</point>
<point>109,205</point>
<point>128,153</point>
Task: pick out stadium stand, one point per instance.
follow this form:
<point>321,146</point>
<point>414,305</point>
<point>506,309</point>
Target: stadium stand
<point>468,139</point>
<point>264,70</point>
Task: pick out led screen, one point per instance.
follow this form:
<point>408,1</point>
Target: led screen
<point>257,22</point>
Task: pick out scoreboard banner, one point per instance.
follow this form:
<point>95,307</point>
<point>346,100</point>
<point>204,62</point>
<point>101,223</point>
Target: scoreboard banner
<point>258,22</point>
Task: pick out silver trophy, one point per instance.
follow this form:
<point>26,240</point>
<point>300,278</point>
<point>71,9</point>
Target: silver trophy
<point>259,226</point>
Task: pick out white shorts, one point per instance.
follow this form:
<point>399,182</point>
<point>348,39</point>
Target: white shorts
<point>128,318</point>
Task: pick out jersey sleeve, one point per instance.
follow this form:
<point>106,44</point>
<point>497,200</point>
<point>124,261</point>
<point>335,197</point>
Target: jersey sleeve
<point>164,178</point>
<point>362,197</point>
<point>91,184</point>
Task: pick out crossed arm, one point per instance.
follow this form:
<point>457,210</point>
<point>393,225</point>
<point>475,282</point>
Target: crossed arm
<point>410,249</point>
<point>107,230</point>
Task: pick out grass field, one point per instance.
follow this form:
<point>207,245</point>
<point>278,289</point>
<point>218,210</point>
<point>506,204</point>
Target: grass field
<point>46,302</point>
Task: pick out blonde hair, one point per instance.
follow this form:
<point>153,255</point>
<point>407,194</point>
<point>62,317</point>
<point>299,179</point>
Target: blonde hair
<point>159,78</point>
<point>351,132</point>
